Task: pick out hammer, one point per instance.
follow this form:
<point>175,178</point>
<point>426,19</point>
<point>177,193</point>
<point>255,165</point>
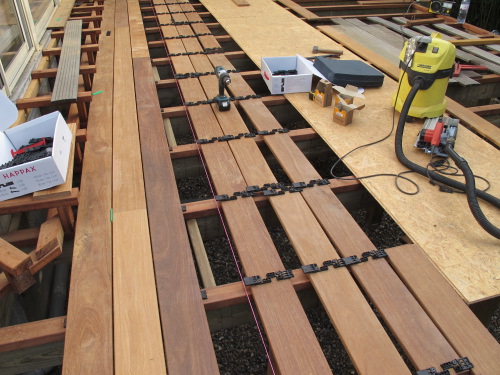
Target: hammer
<point>316,49</point>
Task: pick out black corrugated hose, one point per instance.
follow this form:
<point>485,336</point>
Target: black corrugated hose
<point>469,187</point>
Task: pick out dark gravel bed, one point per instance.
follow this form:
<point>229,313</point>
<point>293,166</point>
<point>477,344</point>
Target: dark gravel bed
<point>184,139</point>
<point>193,188</point>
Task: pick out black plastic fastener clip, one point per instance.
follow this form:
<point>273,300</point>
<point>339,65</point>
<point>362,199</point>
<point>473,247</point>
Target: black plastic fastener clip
<point>459,365</point>
<point>375,254</point>
<point>255,280</point>
<point>310,268</point>
<point>432,371</point>
<point>224,198</point>
<point>272,193</point>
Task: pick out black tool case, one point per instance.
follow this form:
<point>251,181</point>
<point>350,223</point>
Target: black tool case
<point>349,72</point>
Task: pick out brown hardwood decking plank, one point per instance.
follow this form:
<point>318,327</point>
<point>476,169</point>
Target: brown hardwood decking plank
<point>186,335</point>
<point>137,328</point>
<point>89,332</point>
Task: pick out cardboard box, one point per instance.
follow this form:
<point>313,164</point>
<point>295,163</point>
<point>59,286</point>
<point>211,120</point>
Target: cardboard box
<point>344,108</point>
<point>289,83</point>
<point>39,174</point>
<point>324,93</point>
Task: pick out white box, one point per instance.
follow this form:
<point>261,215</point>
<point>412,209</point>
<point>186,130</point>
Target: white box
<point>287,84</point>
<point>38,174</point>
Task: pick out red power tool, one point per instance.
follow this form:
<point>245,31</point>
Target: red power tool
<point>434,133</point>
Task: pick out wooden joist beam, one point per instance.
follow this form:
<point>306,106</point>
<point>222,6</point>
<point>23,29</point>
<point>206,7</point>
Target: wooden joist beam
<point>52,72</point>
<point>85,32</point>
<point>45,101</point>
<point>27,203</point>
<point>57,50</point>
<point>486,110</point>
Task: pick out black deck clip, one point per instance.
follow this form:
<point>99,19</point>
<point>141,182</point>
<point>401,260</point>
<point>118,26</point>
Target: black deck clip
<point>432,371</point>
<point>344,262</point>
<point>311,268</point>
<point>273,185</point>
<point>249,135</point>
<point>264,132</point>
<point>273,192</point>
<point>296,187</point>
<point>255,280</point>
<point>253,189</point>
<point>224,198</point>
<point>459,365</point>
<point>244,194</point>
<point>204,294</point>
<point>204,141</point>
<point>280,275</point>
<point>375,254</point>
<point>323,181</point>
<point>225,138</point>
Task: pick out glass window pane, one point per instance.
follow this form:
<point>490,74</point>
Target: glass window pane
<point>11,37</point>
<point>38,8</point>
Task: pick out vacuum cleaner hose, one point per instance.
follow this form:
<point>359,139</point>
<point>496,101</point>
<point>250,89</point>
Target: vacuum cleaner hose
<point>469,188</point>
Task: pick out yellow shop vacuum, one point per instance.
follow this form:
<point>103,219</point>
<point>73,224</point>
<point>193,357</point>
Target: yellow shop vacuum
<point>428,60</point>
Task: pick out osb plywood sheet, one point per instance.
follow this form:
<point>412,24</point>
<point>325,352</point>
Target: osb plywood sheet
<point>440,223</point>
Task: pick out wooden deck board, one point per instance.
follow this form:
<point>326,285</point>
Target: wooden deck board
<point>186,335</point>
<point>138,343</point>
<point>89,334</point>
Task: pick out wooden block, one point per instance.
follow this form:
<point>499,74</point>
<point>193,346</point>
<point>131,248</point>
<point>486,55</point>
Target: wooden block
<point>22,281</point>
<point>12,260</point>
<point>206,274</point>
<point>64,189</point>
<point>31,334</point>
<point>66,84</point>
<point>50,238</point>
